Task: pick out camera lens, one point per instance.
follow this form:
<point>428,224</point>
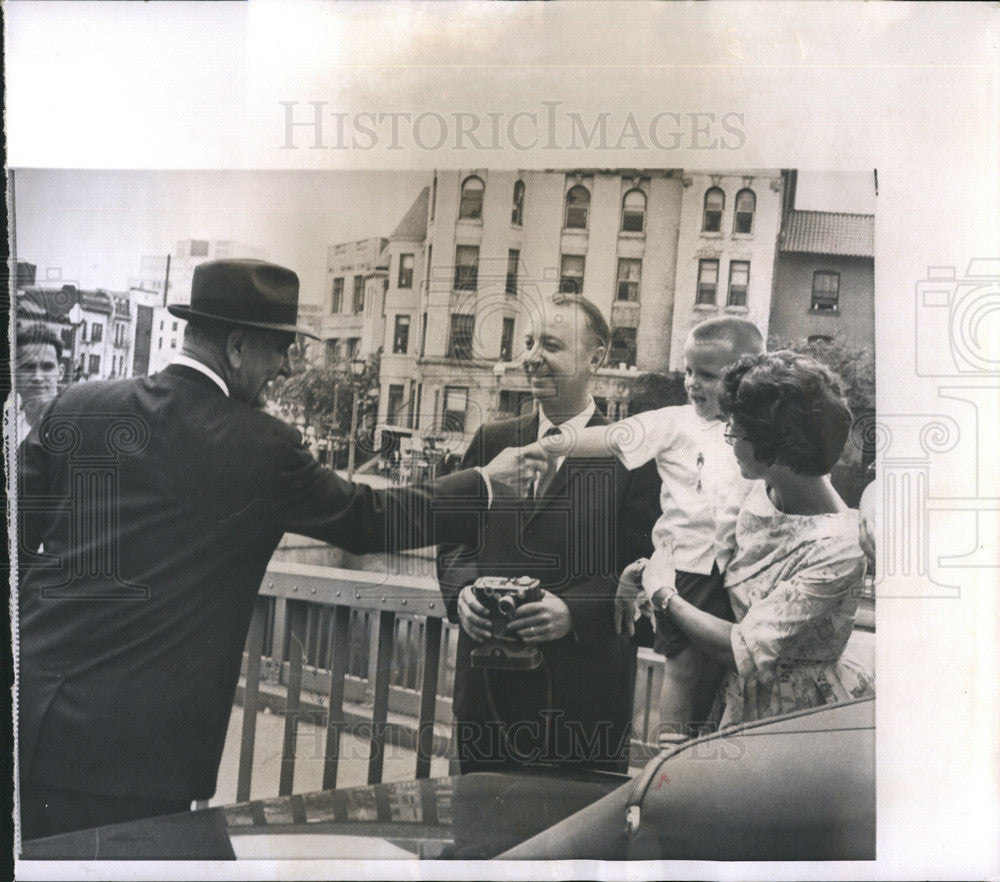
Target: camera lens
<point>506,605</point>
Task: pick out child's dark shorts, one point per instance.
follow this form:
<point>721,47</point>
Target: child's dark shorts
<point>708,593</point>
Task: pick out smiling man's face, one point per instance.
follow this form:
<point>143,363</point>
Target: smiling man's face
<point>562,355</point>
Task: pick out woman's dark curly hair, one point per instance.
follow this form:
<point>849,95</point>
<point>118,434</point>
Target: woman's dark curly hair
<point>790,408</point>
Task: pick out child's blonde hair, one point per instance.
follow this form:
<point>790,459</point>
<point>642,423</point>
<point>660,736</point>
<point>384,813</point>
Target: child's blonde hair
<point>744,336</point>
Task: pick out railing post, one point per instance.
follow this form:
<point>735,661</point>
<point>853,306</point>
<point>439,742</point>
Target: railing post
<point>380,711</point>
<point>428,697</point>
<point>296,651</point>
<point>341,652</point>
<point>255,647</point>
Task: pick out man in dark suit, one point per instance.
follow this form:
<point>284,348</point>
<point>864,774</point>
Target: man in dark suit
<point>157,503</point>
<point>584,524</point>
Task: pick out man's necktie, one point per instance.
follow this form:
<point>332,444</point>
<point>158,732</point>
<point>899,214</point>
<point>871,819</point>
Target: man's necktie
<point>545,478</point>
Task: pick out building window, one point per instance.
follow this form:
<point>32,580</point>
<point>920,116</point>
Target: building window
<point>161,324</point>
<point>571,274</point>
<point>394,405</point>
<point>515,403</point>
<point>173,344</point>
<point>466,267</point>
<point>460,340</point>
<point>715,201</point>
<point>708,280</point>
<point>83,331</point>
<point>622,347</point>
<point>405,271</point>
<point>472,198</point>
<point>577,208</point>
<point>159,343</point>
<point>353,344</point>
<point>826,291</point>
<point>507,339</point>
<point>96,332</point>
<point>337,303</point>
<point>629,273</point>
<point>174,328</point>
<point>94,365</point>
<point>819,339</point>
<point>746,203</point>
<point>401,336</point>
<point>359,295</point>
<point>513,259</point>
<point>332,352</point>
<point>456,401</point>
<point>739,279</point>
<point>199,248</point>
<point>634,211</point>
<point>517,209</point>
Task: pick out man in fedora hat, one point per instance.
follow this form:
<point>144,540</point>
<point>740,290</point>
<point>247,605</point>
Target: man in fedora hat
<point>149,509</point>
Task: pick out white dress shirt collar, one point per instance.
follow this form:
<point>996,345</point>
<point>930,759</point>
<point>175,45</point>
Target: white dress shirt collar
<point>203,369</point>
<point>578,422</point>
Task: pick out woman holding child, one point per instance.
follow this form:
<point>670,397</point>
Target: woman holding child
<point>798,564</point>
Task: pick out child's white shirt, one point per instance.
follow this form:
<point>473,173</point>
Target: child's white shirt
<point>702,488</point>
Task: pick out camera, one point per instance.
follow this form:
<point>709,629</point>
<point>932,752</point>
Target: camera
<point>501,597</point>
<point>956,320</point>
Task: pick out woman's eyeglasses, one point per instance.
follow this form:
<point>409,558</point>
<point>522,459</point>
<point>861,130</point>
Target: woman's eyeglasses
<point>731,437</point>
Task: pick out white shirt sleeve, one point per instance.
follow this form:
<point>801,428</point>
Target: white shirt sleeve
<point>489,486</point>
<point>638,439</point>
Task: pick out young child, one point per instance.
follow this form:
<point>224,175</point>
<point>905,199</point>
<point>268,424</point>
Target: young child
<point>701,494</point>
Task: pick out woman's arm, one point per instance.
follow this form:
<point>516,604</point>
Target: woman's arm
<point>710,634</point>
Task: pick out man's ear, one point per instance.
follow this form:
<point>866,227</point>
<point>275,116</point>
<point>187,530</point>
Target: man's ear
<point>597,358</point>
<point>234,348</point>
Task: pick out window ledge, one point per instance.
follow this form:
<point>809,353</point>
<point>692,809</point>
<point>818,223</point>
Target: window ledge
<point>742,235</point>
<point>631,234</point>
<point>706,307</point>
<point>811,311</point>
<point>705,234</point>
<point>738,310</point>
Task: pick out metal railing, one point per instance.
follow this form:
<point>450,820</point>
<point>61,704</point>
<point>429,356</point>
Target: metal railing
<point>344,647</point>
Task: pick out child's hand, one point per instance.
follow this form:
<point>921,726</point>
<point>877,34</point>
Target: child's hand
<point>630,598</point>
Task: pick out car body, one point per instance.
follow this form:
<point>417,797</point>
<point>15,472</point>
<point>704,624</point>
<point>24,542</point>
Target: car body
<point>796,787</point>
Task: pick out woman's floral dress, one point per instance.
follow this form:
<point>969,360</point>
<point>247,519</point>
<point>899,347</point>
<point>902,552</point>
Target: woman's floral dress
<point>794,585</point>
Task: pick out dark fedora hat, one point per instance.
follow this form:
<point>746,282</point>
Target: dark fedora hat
<point>247,293</point>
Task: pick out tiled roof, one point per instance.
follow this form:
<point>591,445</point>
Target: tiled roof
<point>413,226</point>
<point>829,232</point>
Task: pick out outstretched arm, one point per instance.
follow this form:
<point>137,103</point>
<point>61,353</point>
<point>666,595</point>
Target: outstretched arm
<point>591,442</point>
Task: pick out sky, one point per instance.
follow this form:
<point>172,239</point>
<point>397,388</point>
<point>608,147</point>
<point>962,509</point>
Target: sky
<point>93,227</point>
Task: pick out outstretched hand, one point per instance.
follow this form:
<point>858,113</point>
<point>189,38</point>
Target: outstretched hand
<point>514,469</point>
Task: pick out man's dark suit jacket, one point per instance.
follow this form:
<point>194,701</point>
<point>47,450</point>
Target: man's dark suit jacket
<point>158,502</point>
<point>594,520</point>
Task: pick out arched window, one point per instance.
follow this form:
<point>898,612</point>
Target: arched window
<point>517,211</point>
<point>472,198</point>
<point>715,201</point>
<point>577,208</point>
<point>746,202</point>
<point>634,211</point>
